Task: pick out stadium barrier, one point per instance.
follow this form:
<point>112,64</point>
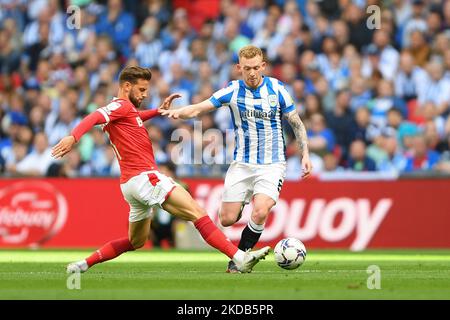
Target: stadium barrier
<point>353,215</point>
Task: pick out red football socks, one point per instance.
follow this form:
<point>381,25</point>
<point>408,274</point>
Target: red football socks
<point>214,237</point>
<point>109,251</point>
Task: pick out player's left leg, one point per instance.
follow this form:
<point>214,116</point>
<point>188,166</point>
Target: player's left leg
<point>138,235</point>
<point>253,230</point>
<point>138,228</point>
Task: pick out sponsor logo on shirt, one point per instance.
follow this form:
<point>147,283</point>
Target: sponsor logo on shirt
<point>257,114</point>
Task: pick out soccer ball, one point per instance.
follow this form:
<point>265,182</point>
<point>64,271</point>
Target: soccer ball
<point>290,253</point>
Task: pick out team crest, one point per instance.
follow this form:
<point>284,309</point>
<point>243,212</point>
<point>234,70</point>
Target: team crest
<point>272,100</point>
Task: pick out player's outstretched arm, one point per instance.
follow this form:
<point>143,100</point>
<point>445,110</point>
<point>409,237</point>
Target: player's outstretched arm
<point>148,114</point>
<point>191,111</point>
<point>302,139</point>
<point>63,147</point>
<point>66,144</point>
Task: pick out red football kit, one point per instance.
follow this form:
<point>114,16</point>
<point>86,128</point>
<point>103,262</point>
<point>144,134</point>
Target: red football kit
<point>129,139</point>
<point>133,148</point>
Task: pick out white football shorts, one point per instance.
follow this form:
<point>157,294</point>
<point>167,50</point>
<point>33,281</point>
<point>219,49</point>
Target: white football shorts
<point>144,191</point>
<point>244,180</point>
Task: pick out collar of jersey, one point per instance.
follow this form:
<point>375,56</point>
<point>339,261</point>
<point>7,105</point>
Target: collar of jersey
<point>257,88</point>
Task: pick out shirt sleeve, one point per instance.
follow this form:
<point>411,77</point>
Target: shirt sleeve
<point>86,124</point>
<point>148,114</point>
<point>285,99</point>
<point>114,110</point>
<point>223,96</point>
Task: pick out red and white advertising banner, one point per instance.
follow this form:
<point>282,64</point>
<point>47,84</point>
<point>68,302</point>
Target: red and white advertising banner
<point>355,215</point>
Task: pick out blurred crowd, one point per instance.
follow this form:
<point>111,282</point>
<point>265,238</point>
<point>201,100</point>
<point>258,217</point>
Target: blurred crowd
<point>373,96</point>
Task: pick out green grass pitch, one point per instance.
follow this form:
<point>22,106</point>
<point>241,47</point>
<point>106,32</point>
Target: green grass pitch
<point>174,274</point>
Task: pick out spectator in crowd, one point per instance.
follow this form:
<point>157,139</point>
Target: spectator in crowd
<point>389,56</point>
<point>414,22</point>
<point>312,105</point>
<point>62,119</point>
<point>18,152</point>
<point>410,78</point>
<point>321,138</point>
<point>395,161</point>
<point>444,161</point>
<point>331,163</point>
<point>358,160</point>
<point>69,167</point>
<point>419,48</point>
<point>383,102</point>
<point>341,120</point>
<point>362,129</point>
<point>436,90</point>
<point>38,160</point>
<point>420,157</point>
<point>118,24</point>
<point>360,94</point>
<point>160,9</point>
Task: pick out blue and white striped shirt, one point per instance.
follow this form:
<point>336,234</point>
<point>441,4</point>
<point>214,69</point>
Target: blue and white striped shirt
<point>256,115</point>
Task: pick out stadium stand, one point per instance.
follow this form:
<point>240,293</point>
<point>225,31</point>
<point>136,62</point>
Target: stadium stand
<point>372,99</point>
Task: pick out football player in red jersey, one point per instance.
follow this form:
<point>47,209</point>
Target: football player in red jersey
<point>142,185</point>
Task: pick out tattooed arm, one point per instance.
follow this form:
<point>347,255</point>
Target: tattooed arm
<point>302,140</point>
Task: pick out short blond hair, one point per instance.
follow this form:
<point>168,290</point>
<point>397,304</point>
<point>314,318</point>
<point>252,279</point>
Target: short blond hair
<point>250,51</point>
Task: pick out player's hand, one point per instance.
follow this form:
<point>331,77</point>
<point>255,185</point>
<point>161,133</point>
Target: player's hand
<point>168,101</point>
<point>306,166</point>
<point>63,147</point>
<point>174,114</point>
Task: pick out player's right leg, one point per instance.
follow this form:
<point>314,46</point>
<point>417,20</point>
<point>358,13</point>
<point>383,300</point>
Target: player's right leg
<point>238,190</point>
<point>181,204</point>
<point>138,235</point>
<point>230,212</point>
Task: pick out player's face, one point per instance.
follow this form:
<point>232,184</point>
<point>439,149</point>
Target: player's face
<point>252,70</point>
<point>139,92</point>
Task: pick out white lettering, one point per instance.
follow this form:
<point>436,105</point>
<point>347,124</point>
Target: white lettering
<point>374,21</point>
<point>74,19</point>
<point>19,218</point>
<point>309,231</point>
<point>296,219</point>
<point>333,234</point>
<point>74,281</point>
<point>368,223</point>
<point>374,280</point>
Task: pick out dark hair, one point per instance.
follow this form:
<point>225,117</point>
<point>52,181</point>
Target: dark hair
<point>395,110</point>
<point>133,73</point>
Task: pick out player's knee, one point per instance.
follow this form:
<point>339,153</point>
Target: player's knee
<point>260,214</point>
<point>138,242</point>
<point>226,220</point>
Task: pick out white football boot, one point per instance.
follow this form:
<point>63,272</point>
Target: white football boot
<point>77,267</point>
<point>250,259</point>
